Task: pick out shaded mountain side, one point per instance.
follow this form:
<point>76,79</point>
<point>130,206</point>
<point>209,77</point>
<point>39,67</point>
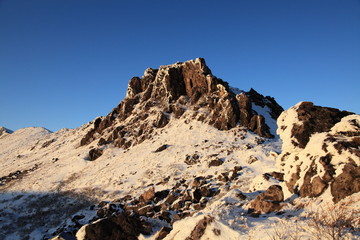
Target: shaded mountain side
<point>173,91</point>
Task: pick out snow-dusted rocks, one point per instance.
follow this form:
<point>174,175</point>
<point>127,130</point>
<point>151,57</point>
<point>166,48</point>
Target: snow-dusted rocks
<point>4,131</point>
<point>268,201</point>
<point>320,150</point>
<point>120,226</point>
<point>183,90</point>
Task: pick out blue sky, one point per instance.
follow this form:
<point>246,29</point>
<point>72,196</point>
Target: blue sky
<point>62,63</point>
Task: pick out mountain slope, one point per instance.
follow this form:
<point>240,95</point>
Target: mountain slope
<point>182,156</point>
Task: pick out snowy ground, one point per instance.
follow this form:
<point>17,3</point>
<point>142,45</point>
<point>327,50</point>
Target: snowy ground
<point>47,179</point>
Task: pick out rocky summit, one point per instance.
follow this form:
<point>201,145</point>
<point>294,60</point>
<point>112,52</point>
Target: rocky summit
<point>172,91</point>
<point>186,156</point>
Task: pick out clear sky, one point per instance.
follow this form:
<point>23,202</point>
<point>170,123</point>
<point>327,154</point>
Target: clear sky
<point>64,62</point>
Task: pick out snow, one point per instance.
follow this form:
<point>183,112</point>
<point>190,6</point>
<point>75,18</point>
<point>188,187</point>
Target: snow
<point>349,123</point>
<point>64,175</point>
<point>265,112</point>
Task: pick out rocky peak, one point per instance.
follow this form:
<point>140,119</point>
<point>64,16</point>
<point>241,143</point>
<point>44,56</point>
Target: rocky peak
<point>4,131</point>
<point>182,90</point>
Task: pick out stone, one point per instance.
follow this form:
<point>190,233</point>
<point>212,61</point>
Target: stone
<point>148,195</point>
<point>198,181</point>
<point>162,194</point>
<point>252,159</point>
<point>161,120</point>
<point>215,162</point>
<point>200,228</point>
<point>315,119</point>
<point>268,201</point>
<point>192,159</point>
<point>164,231</point>
<point>171,198</point>
<point>347,183</point>
<point>95,153</point>
<point>333,129</point>
<point>196,195</point>
<point>122,226</point>
<point>162,148</point>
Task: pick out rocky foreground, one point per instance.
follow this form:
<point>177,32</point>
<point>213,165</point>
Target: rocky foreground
<point>186,156</point>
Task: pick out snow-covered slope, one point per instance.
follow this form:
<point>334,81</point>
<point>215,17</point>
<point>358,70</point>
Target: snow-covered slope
<point>183,156</point>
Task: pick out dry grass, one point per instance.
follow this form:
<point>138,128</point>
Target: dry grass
<point>330,222</point>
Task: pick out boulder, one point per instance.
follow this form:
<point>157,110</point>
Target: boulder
<point>200,228</point>
<point>148,195</point>
<point>122,226</point>
<point>320,150</point>
<point>347,183</point>
<point>164,231</point>
<point>95,153</point>
<point>268,201</point>
<point>216,162</point>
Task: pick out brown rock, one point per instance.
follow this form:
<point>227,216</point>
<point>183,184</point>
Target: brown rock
<point>148,195</point>
<point>216,162</point>
<point>245,109</point>
<point>268,201</point>
<point>171,198</point>
<point>161,120</point>
<point>315,119</point>
<point>95,153</point>
<point>122,226</point>
<point>252,159</point>
<point>198,181</point>
<point>257,124</point>
<point>164,231</point>
<point>162,148</point>
<point>347,183</point>
<point>200,228</point>
<point>177,205</point>
<point>192,159</point>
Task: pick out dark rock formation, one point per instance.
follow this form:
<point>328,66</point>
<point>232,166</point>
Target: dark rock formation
<point>164,231</point>
<point>331,159</point>
<point>315,119</point>
<point>347,183</point>
<point>268,201</point>
<point>216,162</point>
<point>162,148</point>
<point>122,226</point>
<point>200,228</point>
<point>170,92</point>
<point>95,153</point>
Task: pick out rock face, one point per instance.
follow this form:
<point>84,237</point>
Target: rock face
<point>180,90</point>
<point>320,150</point>
<point>268,201</point>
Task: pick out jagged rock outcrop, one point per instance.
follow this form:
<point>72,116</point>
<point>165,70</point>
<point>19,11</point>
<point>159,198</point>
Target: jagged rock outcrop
<point>186,90</point>
<point>320,150</point>
<point>4,131</point>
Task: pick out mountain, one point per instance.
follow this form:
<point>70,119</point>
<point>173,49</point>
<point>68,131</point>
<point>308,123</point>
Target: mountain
<point>185,156</point>
<point>4,131</point>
